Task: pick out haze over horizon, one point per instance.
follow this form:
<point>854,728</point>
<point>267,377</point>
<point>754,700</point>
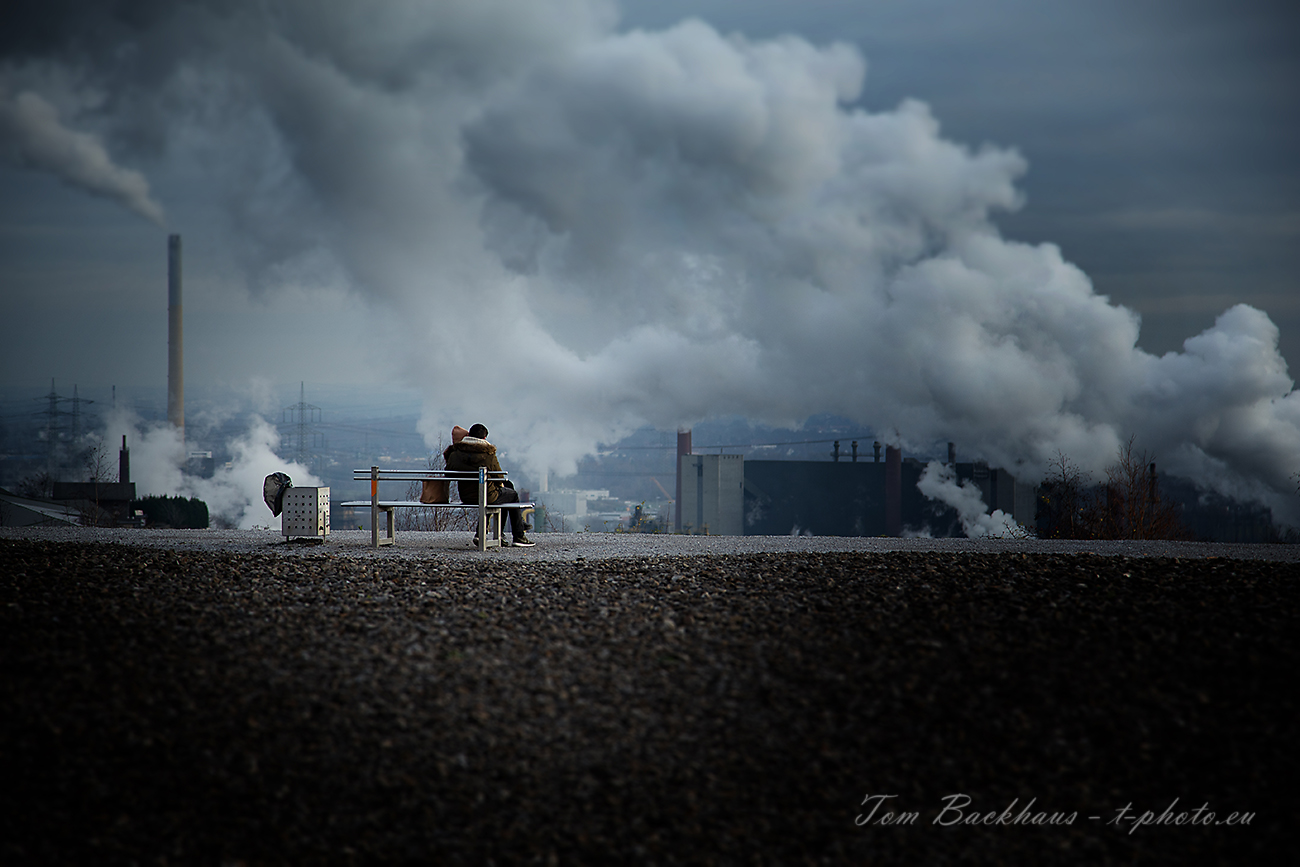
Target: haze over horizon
<point>658,213</point>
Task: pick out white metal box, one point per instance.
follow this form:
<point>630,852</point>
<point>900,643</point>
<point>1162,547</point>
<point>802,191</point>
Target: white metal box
<point>306,512</point>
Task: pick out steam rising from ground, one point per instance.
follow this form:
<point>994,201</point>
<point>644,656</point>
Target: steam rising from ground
<point>938,482</point>
<point>233,494</point>
<point>584,230</point>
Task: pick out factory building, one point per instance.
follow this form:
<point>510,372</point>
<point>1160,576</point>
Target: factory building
<point>713,493</point>
<point>727,495</point>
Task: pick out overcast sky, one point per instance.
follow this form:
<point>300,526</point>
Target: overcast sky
<point>993,222</point>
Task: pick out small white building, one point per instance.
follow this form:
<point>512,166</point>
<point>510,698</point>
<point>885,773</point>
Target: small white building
<point>564,506</point>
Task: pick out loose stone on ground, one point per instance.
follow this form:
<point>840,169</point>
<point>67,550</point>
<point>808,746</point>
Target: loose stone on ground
<point>174,706</point>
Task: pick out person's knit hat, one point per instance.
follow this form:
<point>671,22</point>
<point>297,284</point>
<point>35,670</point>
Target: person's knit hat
<point>458,433</point>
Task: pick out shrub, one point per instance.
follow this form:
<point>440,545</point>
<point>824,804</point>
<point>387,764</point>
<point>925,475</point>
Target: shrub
<point>174,512</point>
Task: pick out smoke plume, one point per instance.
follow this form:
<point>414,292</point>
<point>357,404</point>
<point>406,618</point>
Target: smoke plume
<point>32,135</point>
<point>580,230</point>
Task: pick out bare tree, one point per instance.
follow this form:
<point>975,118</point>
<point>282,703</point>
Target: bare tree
<point>555,522</point>
<point>1127,506</point>
<point>38,486</point>
<point>1064,505</point>
<point>96,461</point>
<point>430,519</point>
<point>1133,506</point>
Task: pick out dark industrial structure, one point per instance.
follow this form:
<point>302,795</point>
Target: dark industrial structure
<point>175,336</point>
<point>102,503</point>
<point>869,498</point>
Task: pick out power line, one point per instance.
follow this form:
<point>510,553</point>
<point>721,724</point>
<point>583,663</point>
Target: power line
<point>740,445</point>
<point>300,413</point>
<point>370,430</point>
<point>53,427</point>
<point>664,475</point>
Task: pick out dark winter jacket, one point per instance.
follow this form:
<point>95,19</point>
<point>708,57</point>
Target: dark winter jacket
<point>470,454</point>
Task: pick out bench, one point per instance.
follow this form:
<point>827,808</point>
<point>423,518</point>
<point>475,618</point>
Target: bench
<point>490,515</point>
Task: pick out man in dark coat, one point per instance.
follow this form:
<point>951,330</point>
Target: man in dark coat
<point>471,452</point>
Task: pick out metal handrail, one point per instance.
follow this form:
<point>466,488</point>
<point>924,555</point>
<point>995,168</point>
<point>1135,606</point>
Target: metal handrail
<point>417,475</point>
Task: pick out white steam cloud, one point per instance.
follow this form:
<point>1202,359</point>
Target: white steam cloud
<point>233,494</point>
<point>938,482</point>
<point>584,230</point>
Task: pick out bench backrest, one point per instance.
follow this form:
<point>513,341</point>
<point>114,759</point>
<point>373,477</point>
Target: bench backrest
<point>482,475</point>
<point>379,475</point>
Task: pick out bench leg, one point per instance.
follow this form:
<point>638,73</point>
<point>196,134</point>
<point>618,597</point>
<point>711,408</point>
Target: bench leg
<point>489,535</point>
<point>390,527</point>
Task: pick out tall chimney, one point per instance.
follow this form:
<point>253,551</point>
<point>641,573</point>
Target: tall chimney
<point>124,463</point>
<point>683,449</point>
<point>175,337</point>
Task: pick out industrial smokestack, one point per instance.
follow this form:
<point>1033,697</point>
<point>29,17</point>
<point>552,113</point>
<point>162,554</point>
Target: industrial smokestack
<point>683,449</point>
<point>175,337</point>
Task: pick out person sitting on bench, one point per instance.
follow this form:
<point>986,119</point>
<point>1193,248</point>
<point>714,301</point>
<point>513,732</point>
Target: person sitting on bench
<point>470,451</point>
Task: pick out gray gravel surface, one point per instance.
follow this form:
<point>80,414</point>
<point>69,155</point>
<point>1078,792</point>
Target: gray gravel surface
<point>569,547</point>
<point>227,698</point>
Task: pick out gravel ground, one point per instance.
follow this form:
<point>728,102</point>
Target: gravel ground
<point>570,547</point>
<point>223,698</point>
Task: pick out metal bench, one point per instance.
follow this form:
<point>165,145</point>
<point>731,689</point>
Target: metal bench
<point>490,515</point>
